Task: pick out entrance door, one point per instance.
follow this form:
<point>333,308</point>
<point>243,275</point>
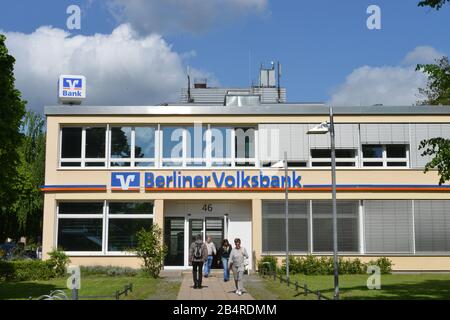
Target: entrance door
<point>213,227</point>
<point>196,228</point>
<point>174,240</point>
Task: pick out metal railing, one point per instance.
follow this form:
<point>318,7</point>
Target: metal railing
<point>272,274</point>
<point>61,295</point>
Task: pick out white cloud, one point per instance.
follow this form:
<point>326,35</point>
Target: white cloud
<point>121,67</point>
<point>172,16</point>
<point>388,85</point>
<point>422,54</point>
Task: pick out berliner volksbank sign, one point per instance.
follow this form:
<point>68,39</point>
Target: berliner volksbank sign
<point>72,89</point>
<point>123,181</point>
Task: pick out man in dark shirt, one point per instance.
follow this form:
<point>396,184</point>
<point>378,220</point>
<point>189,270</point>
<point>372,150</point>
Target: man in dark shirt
<point>198,254</point>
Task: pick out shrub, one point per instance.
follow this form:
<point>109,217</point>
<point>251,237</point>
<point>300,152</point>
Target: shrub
<point>108,270</point>
<point>384,264</point>
<point>24,270</point>
<point>312,265</point>
<point>151,250</point>
<point>267,264</point>
<point>59,260</point>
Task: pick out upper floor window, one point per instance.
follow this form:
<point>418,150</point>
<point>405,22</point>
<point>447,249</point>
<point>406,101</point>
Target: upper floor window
<point>385,155</point>
<point>184,146</point>
<point>344,157</point>
<point>244,146</point>
<point>83,147</point>
<point>132,146</point>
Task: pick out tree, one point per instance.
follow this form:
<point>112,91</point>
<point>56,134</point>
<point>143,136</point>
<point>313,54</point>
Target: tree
<point>435,4</point>
<point>439,148</point>
<point>30,176</point>
<point>151,250</point>
<point>437,91</point>
<point>12,109</point>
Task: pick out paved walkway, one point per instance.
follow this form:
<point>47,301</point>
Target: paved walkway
<point>214,288</point>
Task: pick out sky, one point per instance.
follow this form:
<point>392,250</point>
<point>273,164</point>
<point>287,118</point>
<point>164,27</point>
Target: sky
<point>136,52</point>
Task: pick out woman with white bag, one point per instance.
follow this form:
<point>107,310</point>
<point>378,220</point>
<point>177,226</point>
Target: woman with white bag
<point>236,262</point>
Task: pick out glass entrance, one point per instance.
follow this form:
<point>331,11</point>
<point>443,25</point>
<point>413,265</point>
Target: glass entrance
<point>174,240</point>
<point>213,227</point>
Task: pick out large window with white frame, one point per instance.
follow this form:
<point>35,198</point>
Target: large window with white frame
<point>184,146</point>
<point>344,157</point>
<point>122,146</point>
<point>232,146</point>
<point>101,227</point>
<point>83,146</point>
<point>385,155</point>
<point>132,146</point>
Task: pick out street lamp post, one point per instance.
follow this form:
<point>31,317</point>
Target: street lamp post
<point>324,128</point>
<point>286,213</point>
<point>284,164</point>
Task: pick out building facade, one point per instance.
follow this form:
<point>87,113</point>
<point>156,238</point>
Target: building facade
<point>209,169</point>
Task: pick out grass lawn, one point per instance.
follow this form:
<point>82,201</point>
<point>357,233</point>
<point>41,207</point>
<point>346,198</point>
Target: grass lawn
<point>393,286</point>
<point>95,285</point>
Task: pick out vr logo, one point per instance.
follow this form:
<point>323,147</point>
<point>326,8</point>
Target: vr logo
<point>125,181</point>
<point>72,84</point>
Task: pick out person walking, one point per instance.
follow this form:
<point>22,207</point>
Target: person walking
<point>211,252</point>
<point>224,255</point>
<point>236,262</point>
<point>198,254</point>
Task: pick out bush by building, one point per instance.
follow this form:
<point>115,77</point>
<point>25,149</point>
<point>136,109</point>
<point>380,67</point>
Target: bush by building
<point>313,265</point>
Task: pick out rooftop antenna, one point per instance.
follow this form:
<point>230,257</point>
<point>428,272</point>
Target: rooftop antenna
<point>278,82</point>
<point>189,98</point>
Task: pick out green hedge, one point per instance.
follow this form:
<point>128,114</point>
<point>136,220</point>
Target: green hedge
<point>108,271</point>
<point>312,265</point>
<point>24,270</point>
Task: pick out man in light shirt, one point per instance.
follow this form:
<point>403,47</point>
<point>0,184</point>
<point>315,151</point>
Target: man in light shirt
<point>211,252</point>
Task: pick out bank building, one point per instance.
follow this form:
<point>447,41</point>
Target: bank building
<point>207,165</point>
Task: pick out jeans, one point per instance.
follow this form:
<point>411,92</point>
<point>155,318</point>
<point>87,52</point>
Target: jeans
<point>197,273</point>
<point>208,264</point>
<point>238,277</point>
<point>226,272</point>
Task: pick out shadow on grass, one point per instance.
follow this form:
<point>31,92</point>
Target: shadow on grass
<point>24,290</point>
<point>426,289</point>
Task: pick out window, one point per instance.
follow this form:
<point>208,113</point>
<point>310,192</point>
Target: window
<point>83,147</point>
<point>133,146</point>
<point>221,146</point>
<point>244,147</point>
<point>184,146</point>
<point>81,226</point>
<point>347,226</point>
<point>388,226</point>
<point>344,157</point>
<point>432,225</point>
<point>274,227</point>
<point>291,164</point>
<point>196,146</point>
<point>385,155</point>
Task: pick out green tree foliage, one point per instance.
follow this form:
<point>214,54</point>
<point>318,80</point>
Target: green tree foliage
<point>439,149</point>
<point>12,109</point>
<point>437,91</point>
<point>435,4</point>
<point>30,176</point>
<point>151,250</point>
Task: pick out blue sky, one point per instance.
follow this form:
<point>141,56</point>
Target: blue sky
<point>319,43</point>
